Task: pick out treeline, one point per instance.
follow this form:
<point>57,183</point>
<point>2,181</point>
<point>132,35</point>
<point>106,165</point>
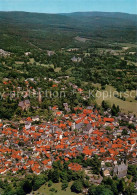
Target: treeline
<point>80,181</point>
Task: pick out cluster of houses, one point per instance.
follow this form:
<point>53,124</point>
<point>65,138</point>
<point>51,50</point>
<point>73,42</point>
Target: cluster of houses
<point>30,146</point>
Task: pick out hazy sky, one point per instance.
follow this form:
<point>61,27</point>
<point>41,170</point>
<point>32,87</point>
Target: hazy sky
<point>59,6</point>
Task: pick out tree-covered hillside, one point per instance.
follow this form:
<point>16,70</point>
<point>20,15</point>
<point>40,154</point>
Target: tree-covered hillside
<point>23,30</point>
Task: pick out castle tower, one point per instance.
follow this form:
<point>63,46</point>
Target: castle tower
<point>73,126</point>
<point>39,96</point>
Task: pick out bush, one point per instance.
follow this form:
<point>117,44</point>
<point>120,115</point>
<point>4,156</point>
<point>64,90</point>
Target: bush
<point>38,182</point>
<point>50,183</point>
<point>77,187</point>
<point>64,185</point>
<point>53,190</point>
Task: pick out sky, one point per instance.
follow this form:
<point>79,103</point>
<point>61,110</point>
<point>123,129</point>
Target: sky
<point>66,6</point>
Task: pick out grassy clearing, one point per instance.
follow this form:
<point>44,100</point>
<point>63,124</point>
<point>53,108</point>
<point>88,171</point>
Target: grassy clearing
<point>125,106</point>
<point>45,190</point>
<point>19,62</point>
<point>127,44</point>
<point>97,85</point>
<point>32,60</point>
<point>68,71</point>
<point>57,69</point>
<point>130,62</point>
<point>132,94</point>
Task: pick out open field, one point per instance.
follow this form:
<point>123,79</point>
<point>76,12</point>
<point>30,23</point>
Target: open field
<point>19,62</point>
<point>126,106</point>
<point>127,45</point>
<point>45,190</point>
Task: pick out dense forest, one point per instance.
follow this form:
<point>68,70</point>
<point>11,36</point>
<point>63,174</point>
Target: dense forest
<point>22,30</point>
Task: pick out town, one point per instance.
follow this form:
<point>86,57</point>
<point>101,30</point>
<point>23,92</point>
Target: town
<point>68,103</point>
<point>28,145</point>
<point>32,146</point>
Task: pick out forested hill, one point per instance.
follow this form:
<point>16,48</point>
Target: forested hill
<point>117,15</point>
<point>23,30</point>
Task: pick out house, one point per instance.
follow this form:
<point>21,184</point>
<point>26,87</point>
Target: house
<point>106,172</point>
<point>79,126</point>
<point>28,125</point>
<point>35,118</point>
<point>3,171</point>
<point>73,126</point>
<point>75,166</point>
<point>121,170</point>
<point>50,53</point>
<point>88,129</point>
<point>27,53</point>
<point>4,53</point>
<point>24,105</point>
<point>66,107</point>
<point>96,179</point>
<point>74,59</point>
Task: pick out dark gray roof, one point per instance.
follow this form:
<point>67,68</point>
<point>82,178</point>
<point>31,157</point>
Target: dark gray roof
<point>27,101</point>
<point>79,125</point>
<point>88,127</point>
<point>21,104</point>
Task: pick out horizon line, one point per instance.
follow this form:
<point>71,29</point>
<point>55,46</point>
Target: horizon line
<point>68,12</point>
